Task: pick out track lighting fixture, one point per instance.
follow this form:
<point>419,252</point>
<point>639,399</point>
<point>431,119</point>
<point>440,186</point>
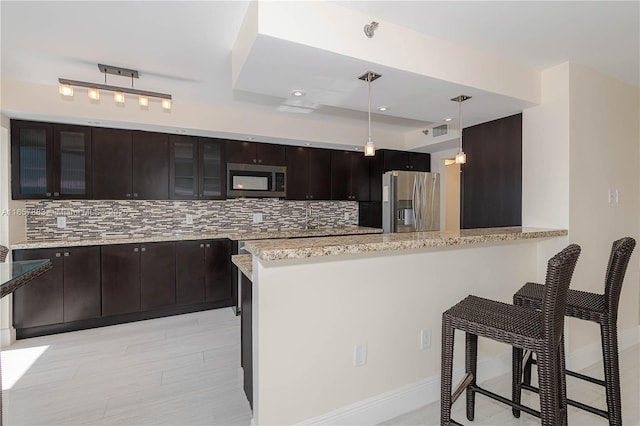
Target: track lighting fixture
<point>66,88</point>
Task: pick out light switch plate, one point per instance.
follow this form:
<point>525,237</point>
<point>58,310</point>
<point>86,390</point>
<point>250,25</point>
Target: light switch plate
<point>62,222</point>
<point>189,219</point>
<point>257,218</point>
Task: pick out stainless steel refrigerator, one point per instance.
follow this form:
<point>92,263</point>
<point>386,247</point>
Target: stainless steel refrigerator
<point>410,201</point>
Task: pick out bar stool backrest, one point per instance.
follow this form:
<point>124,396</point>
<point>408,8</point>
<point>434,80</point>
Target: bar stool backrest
<point>559,272</point>
<point>618,260</point>
<point>3,253</point>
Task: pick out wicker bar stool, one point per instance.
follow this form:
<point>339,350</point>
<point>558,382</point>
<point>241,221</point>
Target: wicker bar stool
<point>599,308</point>
<point>540,332</point>
<point>3,253</point>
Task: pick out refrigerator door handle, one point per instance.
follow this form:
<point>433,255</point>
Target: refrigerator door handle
<point>415,207</point>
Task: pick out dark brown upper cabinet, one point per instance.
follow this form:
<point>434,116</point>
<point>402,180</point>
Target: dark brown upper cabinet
<point>349,176</point>
<point>255,153</point>
<point>130,165</point>
<point>405,160</point>
<point>150,164</point>
<point>308,173</point>
<point>197,168</point>
<point>112,164</point>
<point>491,180</point>
<point>50,160</point>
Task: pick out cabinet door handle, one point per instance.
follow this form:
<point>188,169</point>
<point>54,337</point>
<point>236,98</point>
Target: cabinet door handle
<point>259,161</point>
<point>56,194</point>
<point>58,255</point>
<point>48,194</point>
<point>128,195</point>
<point>135,194</point>
<point>254,160</point>
<point>201,245</point>
<point>143,249</point>
<point>135,250</point>
<point>66,254</point>
<point>208,245</point>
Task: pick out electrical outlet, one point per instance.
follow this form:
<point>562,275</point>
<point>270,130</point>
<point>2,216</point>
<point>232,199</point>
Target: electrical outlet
<point>425,338</point>
<point>346,216</point>
<point>62,222</point>
<point>360,355</point>
<point>189,219</point>
<point>257,218</point>
<point>610,196</point>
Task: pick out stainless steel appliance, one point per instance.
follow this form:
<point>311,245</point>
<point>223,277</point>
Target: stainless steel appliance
<point>410,201</point>
<point>252,180</point>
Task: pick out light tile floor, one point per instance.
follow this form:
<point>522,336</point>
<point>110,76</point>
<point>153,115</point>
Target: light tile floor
<point>491,413</point>
<point>181,370</point>
<point>185,370</point>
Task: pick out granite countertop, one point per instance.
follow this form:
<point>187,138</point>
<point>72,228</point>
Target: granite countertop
<point>230,234</point>
<point>244,262</point>
<point>332,246</point>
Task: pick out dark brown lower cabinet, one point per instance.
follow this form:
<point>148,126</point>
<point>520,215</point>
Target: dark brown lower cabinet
<point>157,275</point>
<point>40,302</point>
<point>189,272</point>
<point>120,279</point>
<point>103,285</point>
<point>69,292</point>
<point>203,271</point>
<point>217,276</point>
<point>246,338</point>
<point>81,283</point>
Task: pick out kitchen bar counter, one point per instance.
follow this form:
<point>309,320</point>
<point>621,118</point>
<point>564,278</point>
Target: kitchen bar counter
<point>316,303</point>
<point>230,234</point>
<point>332,246</point>
<point>244,263</point>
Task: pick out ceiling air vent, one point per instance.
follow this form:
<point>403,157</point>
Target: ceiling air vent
<point>440,130</point>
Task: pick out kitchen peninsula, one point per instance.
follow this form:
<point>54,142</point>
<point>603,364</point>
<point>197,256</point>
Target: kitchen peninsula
<point>322,305</point>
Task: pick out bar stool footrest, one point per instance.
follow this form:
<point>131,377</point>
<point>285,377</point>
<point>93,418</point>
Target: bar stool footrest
<point>577,404</point>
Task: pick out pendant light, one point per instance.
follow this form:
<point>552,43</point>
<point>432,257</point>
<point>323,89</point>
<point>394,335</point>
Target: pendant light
<point>369,147</point>
<point>461,157</point>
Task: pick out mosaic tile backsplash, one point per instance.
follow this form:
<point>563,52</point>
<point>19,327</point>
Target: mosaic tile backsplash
<point>97,218</point>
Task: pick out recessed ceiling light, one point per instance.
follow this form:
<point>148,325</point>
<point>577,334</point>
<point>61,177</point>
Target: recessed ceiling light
<point>297,93</point>
<point>307,144</point>
<point>93,122</point>
<point>250,138</point>
<point>383,108</point>
<point>448,119</point>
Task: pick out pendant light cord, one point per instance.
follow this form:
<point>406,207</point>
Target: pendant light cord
<point>369,80</point>
<point>460,121</point>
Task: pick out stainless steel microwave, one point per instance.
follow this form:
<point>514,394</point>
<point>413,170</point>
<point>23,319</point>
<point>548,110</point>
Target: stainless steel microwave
<point>251,180</point>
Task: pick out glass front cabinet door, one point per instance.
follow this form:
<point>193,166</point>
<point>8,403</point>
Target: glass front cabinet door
<point>50,160</point>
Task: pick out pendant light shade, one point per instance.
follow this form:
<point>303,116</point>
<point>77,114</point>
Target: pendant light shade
<point>369,147</point>
<point>461,157</point>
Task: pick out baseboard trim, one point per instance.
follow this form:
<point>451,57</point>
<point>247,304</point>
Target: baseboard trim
<point>402,400</point>
<point>7,337</point>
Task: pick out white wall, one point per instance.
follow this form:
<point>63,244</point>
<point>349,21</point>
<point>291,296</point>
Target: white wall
<point>545,154</point>
<point>604,154</point>
<point>583,140</point>
<point>309,317</point>
<point>12,227</point>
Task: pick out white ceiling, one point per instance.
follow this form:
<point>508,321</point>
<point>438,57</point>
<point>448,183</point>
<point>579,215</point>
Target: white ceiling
<point>184,48</point>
